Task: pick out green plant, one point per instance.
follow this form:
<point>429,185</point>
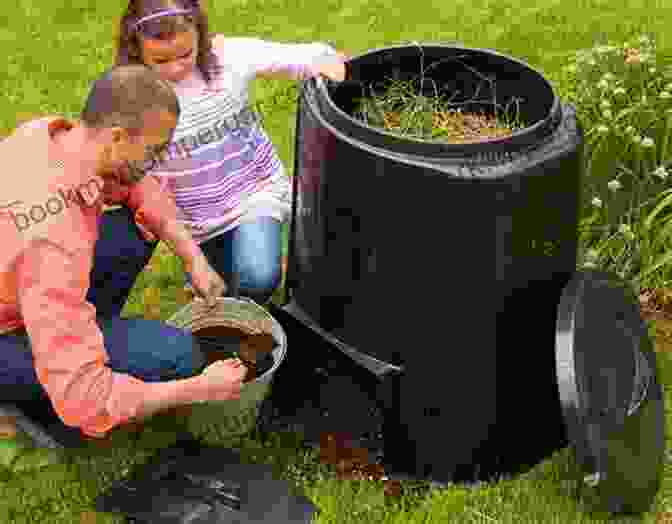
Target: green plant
<point>625,101</point>
<point>405,107</point>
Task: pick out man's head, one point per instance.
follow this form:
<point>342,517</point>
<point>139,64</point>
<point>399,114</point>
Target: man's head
<point>129,115</point>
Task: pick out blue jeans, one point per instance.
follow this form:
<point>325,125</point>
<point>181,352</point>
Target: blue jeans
<point>121,253</point>
<point>254,250</point>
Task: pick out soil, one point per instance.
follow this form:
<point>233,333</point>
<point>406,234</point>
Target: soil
<point>457,127</point>
<point>7,427</point>
<point>354,463</point>
<point>656,305</point>
<point>254,350</point>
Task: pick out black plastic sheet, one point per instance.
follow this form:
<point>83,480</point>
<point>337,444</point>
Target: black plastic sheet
<point>194,483</point>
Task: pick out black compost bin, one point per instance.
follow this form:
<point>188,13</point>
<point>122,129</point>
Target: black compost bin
<point>445,260</point>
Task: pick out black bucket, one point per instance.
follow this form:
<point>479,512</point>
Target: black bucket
<point>445,259</point>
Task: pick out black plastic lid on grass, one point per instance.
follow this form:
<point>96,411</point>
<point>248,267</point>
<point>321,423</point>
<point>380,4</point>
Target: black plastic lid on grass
<point>611,397</point>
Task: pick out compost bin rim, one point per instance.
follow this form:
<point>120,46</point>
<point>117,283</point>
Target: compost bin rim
<point>518,140</point>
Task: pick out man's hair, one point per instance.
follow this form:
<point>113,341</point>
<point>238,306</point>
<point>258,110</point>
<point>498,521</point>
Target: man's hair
<point>123,95</point>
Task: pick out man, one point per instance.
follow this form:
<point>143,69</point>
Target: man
<point>98,371</point>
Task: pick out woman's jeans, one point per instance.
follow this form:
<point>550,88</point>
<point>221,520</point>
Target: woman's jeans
<point>146,349</point>
<point>254,251</point>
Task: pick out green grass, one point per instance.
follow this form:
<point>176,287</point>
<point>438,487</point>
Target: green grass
<point>53,50</point>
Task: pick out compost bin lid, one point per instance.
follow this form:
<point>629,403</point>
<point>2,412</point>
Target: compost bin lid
<point>611,396</point>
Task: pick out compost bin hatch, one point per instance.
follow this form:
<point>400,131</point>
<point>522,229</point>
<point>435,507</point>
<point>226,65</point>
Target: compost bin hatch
<point>611,397</point>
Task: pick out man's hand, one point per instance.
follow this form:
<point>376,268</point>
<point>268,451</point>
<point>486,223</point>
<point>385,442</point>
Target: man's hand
<point>223,380</point>
<point>206,281</point>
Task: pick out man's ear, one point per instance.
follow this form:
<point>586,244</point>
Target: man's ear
<point>119,135</point>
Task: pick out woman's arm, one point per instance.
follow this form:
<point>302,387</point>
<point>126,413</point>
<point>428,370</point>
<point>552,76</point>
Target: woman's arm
<point>268,59</point>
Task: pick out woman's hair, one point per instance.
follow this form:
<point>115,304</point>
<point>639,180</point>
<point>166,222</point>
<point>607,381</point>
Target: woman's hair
<point>128,42</point>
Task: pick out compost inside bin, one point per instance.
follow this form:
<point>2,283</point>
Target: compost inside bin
<point>224,342</point>
<point>405,108</point>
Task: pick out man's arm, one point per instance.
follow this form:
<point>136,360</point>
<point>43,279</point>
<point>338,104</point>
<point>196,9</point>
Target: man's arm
<point>180,241</point>
<point>156,211</point>
<point>68,348</point>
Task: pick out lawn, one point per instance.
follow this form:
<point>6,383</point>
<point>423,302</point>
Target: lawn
<point>53,50</point>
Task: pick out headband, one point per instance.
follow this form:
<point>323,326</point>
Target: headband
<point>166,12</point>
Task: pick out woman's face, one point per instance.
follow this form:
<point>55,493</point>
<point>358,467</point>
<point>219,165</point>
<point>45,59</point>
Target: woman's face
<point>173,52</point>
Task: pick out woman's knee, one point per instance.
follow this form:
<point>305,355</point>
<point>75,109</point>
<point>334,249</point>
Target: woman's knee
<point>257,257</point>
<point>259,281</point>
<point>261,276</point>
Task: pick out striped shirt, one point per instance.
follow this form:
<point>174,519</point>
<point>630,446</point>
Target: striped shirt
<point>223,174</point>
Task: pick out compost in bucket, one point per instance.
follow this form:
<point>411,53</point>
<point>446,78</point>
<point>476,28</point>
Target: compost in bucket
<point>224,342</point>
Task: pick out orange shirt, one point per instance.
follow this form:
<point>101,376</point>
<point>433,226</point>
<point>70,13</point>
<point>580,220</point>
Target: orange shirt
<point>50,204</point>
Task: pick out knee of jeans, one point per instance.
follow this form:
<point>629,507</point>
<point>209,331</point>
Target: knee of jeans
<point>260,282</point>
<point>190,362</point>
<point>177,357</point>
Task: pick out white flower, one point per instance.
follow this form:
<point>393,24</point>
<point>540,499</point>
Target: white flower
<point>652,70</point>
<point>647,142</point>
<point>661,172</point>
<point>605,103</point>
<point>597,202</point>
<point>619,91</point>
<point>602,129</point>
<point>592,254</point>
<point>665,95</point>
<point>624,229</point>
<point>607,114</point>
<point>614,185</point>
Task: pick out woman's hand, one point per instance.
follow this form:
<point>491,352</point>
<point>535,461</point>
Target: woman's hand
<point>332,69</point>
<point>206,281</point>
